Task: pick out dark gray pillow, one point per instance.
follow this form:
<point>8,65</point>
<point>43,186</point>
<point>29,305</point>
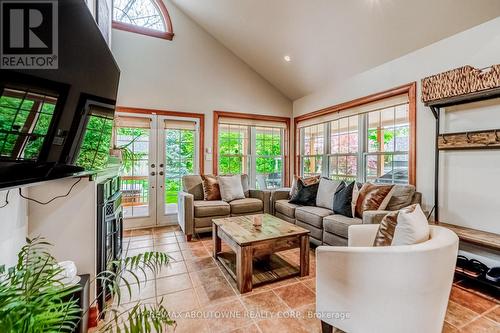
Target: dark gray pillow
<point>305,195</point>
<point>342,200</point>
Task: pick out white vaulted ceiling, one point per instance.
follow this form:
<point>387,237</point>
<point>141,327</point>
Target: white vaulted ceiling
<point>330,40</point>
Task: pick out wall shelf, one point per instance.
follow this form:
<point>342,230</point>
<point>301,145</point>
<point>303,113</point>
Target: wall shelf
<point>486,139</point>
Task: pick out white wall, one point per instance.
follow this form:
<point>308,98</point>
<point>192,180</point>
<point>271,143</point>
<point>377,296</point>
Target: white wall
<point>13,226</point>
<point>468,192</point>
<point>192,73</point>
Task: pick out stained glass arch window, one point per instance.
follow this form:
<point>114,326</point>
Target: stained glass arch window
<point>146,17</point>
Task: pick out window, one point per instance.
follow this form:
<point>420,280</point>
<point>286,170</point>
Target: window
<point>25,119</point>
<point>370,141</point>
<point>252,145</point>
<point>94,150</point>
<point>147,17</point>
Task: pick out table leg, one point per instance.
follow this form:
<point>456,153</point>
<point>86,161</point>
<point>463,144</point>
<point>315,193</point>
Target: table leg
<point>216,240</point>
<point>304,255</point>
<point>244,269</point>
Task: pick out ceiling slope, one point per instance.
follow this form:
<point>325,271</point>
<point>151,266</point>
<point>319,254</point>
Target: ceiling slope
<point>330,40</point>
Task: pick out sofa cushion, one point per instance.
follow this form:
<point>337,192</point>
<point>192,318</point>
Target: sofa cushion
<point>245,182</point>
<point>285,208</point>
<point>193,184</point>
<point>247,205</point>
<point>339,224</point>
<point>312,215</point>
<point>204,208</point>
<point>402,196</point>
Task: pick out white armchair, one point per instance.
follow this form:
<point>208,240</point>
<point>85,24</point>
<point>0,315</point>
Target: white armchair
<point>361,288</point>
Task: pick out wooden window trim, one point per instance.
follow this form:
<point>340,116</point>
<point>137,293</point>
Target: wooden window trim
<point>168,35</point>
<point>199,116</point>
<point>410,89</point>
<point>237,115</point>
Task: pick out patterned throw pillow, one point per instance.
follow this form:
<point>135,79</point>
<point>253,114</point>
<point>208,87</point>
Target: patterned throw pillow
<point>307,181</point>
<point>306,194</point>
<point>372,197</point>
<point>211,189</point>
<point>407,226</point>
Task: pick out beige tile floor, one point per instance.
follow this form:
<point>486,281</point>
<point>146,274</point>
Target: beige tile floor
<point>195,288</point>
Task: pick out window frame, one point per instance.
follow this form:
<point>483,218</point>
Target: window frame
<point>168,35</point>
<point>251,153</point>
<point>408,89</point>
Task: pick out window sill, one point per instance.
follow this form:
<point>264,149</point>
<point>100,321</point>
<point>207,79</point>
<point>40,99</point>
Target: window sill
<point>143,31</point>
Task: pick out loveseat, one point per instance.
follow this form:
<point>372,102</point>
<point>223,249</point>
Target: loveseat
<point>195,214</point>
<point>328,228</point>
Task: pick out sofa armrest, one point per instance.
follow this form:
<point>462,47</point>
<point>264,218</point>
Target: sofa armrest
<point>186,213</point>
<point>374,216</point>
<point>278,194</point>
<point>265,196</point>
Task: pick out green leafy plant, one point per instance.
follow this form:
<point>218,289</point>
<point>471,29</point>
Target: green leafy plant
<point>33,298</point>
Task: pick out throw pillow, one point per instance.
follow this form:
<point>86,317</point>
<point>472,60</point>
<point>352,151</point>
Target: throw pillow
<point>307,181</point>
<point>371,197</point>
<point>407,226</point>
<point>231,188</point>
<point>211,189</point>
<point>343,198</point>
<point>326,192</point>
<point>306,194</point>
<point>355,193</point>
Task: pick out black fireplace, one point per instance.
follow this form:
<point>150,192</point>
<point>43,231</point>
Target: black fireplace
<point>109,231</point>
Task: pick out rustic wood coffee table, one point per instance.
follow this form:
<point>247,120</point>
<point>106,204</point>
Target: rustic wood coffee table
<point>253,259</point>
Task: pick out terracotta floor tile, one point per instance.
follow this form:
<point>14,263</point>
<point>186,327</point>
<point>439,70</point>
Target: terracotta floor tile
<point>167,240</point>
<point>138,244</point>
<point>234,313</point>
<point>494,314</point>
<point>296,295</point>
<point>458,316</point>
<point>252,328</point>
<point>167,248</point>
<point>172,284</point>
<point>136,238</point>
<point>288,325</point>
<point>195,253</point>
<point>161,235</point>
<point>478,290</point>
<point>181,239</point>
<point>310,283</point>
<point>140,232</point>
<point>308,318</point>
<point>205,276</point>
<point>167,228</point>
<point>139,291</point>
<point>173,268</point>
<point>133,252</point>
<point>264,304</point>
<point>449,328</point>
<point>181,301</point>
<point>481,325</point>
<point>470,300</point>
<point>187,324</point>
<point>176,256</point>
<point>213,293</point>
<point>200,263</point>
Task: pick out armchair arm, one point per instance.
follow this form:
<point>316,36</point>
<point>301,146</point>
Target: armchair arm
<point>279,194</point>
<point>374,216</point>
<point>362,235</point>
<point>186,213</point>
<point>261,195</point>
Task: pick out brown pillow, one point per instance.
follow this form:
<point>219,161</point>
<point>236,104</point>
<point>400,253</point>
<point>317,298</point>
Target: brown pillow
<point>211,189</point>
<point>371,197</point>
<point>387,227</point>
<point>305,181</point>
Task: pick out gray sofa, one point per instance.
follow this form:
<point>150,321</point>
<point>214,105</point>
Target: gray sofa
<point>195,214</point>
<point>329,228</point>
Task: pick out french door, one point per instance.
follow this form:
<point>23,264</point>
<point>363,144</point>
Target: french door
<point>156,152</point>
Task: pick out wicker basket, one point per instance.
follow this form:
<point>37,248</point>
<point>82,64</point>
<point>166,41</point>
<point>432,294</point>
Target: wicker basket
<point>459,81</point>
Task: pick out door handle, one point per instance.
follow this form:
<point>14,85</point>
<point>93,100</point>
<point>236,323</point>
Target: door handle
<point>161,165</point>
<point>153,173</point>
<point>153,165</point>
<point>161,173</point>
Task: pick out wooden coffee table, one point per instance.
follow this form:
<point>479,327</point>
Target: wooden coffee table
<point>253,259</point>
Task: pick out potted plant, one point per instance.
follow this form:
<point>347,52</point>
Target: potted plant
<point>33,299</point>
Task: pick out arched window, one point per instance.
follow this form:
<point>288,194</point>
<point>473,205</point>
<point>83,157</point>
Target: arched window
<point>146,17</point>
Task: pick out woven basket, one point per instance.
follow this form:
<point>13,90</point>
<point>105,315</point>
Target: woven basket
<point>459,81</point>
